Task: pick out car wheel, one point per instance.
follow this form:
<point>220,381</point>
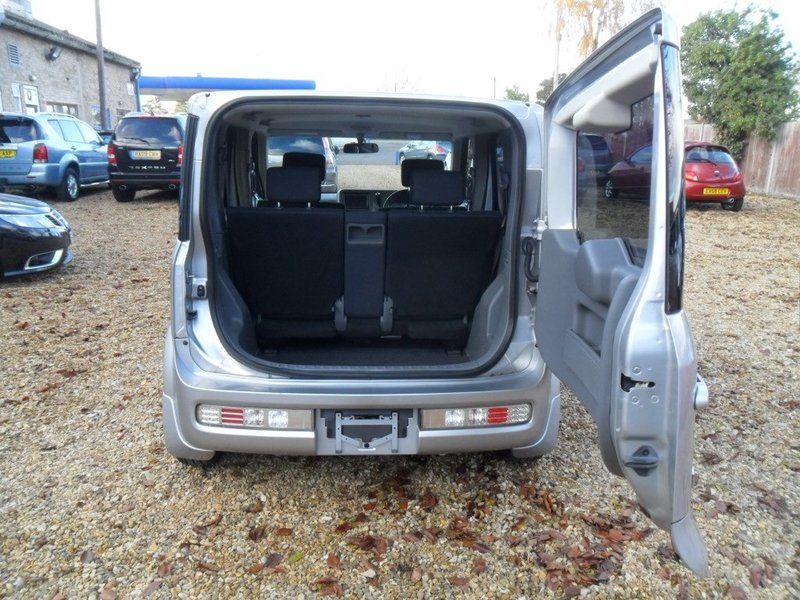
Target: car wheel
<point>68,189</point>
<point>610,190</point>
<point>121,195</point>
<point>733,204</point>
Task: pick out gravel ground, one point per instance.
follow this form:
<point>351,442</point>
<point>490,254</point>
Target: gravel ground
<point>91,505</point>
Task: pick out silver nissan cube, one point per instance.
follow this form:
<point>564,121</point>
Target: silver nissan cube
<point>434,306</point>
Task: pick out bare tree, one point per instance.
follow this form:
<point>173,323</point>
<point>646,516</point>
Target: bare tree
<point>594,21</point>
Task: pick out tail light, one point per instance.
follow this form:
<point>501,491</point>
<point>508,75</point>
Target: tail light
<point>439,149</point>
<point>692,177</point>
<point>112,155</point>
<point>737,176</point>
<point>40,153</point>
<point>180,154</point>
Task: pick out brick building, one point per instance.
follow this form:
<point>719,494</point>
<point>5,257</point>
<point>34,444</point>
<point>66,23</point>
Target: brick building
<point>43,68</point>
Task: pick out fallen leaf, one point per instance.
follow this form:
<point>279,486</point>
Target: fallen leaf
<point>214,521</point>
<point>460,582</point>
<point>478,565</point>
<point>428,501</point>
<point>757,576</point>
<point>87,556</point>
<point>256,568</point>
<point>256,533</point>
<point>297,556</point>
<point>737,593</point>
<point>164,569</point>
<point>273,560</point>
<point>151,587</point>
<point>208,567</point>
<point>284,531</point>
<point>333,560</point>
<point>256,507</point>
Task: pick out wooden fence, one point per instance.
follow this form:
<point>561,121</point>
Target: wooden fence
<point>771,168</point>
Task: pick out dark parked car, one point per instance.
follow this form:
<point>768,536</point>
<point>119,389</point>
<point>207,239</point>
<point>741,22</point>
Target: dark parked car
<point>710,172</point>
<point>594,159</point>
<point>145,153</point>
<point>33,236</point>
<point>50,150</point>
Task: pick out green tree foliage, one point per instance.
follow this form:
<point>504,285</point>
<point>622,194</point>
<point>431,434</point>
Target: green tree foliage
<point>546,87</point>
<point>514,93</point>
<point>739,75</point>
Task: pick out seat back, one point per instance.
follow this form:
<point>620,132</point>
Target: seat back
<point>287,258</point>
<point>438,262</point>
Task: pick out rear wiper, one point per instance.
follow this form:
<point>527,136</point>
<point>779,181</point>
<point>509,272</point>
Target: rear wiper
<point>137,140</point>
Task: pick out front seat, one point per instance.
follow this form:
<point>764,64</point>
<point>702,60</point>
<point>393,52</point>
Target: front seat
<point>402,198</point>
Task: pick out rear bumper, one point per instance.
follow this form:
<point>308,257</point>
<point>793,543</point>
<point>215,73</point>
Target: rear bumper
<point>186,387</point>
<point>148,181</point>
<point>41,174</point>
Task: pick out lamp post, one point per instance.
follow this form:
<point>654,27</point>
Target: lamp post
<point>101,69</point>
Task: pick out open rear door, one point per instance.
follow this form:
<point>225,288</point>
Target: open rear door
<point>609,320</point>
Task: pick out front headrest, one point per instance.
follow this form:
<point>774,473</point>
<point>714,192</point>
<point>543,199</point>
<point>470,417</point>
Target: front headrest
<point>410,165</point>
<point>305,159</point>
<point>293,185</point>
<point>436,188</point>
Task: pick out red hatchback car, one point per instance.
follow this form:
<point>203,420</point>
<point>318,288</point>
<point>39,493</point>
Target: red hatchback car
<point>710,171</point>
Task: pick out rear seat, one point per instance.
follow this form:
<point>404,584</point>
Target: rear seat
<point>288,257</point>
<point>309,271</point>
<point>439,259</point>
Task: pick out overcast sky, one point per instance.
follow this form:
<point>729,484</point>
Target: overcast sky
<point>433,46</point>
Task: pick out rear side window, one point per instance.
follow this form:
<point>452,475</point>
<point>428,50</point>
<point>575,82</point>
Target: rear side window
<point>613,182</point>
<point>18,131</point>
<point>165,132</point>
<point>69,130</point>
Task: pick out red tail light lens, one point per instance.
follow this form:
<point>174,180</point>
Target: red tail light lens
<point>40,153</point>
<point>180,154</point>
<point>112,155</point>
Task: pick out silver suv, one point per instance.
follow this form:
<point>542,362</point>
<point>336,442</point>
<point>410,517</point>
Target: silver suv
<point>49,150</point>
<point>443,324</point>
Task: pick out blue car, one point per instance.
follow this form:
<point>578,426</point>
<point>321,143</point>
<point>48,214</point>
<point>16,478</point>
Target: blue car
<point>53,151</point>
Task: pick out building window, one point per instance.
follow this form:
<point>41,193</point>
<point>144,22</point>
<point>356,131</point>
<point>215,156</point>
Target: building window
<point>13,55</point>
<point>70,109</point>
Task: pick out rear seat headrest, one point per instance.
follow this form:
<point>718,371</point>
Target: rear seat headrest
<point>293,185</point>
<point>305,159</point>
<point>410,165</point>
<point>436,188</point>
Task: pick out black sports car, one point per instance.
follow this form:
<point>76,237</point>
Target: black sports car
<point>33,236</point>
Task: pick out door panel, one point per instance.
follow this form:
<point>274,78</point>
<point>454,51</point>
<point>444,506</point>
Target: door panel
<point>608,318</point>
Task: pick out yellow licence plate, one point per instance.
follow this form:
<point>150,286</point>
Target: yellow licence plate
<point>716,191</point>
<point>8,153</point>
<point>146,154</point>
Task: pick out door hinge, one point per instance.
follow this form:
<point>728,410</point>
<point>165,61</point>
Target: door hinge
<point>539,227</point>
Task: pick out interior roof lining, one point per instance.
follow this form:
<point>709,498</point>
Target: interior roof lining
<point>339,118</point>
